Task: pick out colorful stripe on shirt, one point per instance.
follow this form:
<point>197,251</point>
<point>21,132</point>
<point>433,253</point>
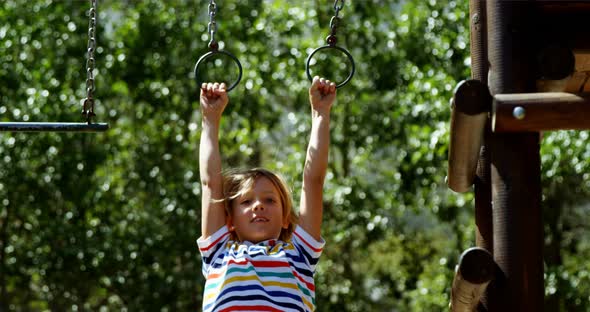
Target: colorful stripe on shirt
<point>259,277</point>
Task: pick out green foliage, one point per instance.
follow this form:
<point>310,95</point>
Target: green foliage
<point>100,222</point>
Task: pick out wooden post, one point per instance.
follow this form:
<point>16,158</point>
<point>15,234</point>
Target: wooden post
<point>472,276</point>
<point>482,184</point>
<point>471,107</point>
<point>516,170</point>
<point>479,72</point>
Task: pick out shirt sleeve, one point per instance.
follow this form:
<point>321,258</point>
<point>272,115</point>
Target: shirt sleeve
<point>211,246</point>
<point>309,246</point>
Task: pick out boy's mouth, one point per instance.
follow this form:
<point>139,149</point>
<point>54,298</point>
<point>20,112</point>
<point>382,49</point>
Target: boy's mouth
<point>259,219</point>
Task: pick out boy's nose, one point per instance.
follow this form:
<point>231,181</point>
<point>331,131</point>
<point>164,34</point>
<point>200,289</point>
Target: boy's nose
<point>258,205</point>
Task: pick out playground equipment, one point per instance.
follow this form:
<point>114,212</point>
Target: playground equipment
<point>530,73</point>
<point>88,104</point>
<point>214,49</point>
<point>331,41</point>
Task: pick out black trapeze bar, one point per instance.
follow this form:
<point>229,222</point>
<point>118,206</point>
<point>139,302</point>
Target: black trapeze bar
<point>53,127</point>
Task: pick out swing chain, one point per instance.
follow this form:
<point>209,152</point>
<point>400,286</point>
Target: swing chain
<point>212,26</point>
<point>335,22</point>
<point>338,7</point>
<point>88,106</point>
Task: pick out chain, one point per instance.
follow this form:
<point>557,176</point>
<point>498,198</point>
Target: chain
<point>335,22</point>
<point>337,7</point>
<point>88,106</point>
<point>212,26</point>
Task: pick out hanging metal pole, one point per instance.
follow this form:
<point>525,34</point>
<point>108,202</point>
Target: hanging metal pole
<point>53,127</point>
<point>88,104</point>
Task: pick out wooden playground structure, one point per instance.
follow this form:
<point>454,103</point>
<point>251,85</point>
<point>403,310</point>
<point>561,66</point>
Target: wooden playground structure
<point>530,73</point>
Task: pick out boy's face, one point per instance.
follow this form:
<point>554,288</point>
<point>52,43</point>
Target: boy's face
<point>257,214</point>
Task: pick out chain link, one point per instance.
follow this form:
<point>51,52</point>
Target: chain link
<point>335,22</point>
<point>212,26</point>
<point>337,7</point>
<point>88,106</point>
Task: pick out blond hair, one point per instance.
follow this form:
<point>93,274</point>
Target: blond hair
<point>238,182</point>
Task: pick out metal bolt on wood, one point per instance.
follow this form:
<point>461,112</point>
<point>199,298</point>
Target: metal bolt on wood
<point>519,112</point>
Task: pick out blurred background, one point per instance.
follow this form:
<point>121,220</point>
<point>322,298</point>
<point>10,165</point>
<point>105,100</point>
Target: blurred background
<point>108,221</point>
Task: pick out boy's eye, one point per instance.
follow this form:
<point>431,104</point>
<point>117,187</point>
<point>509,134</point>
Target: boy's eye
<point>245,202</point>
<point>271,200</point>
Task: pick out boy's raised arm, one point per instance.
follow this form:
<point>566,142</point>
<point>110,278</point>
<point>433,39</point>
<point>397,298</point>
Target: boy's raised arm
<point>322,94</point>
<point>213,101</point>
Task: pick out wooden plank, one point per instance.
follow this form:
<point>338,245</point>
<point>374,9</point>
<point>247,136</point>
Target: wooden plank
<point>534,112</point>
<point>575,83</point>
<point>582,60</point>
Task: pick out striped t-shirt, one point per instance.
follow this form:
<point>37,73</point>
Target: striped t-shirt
<point>268,276</point>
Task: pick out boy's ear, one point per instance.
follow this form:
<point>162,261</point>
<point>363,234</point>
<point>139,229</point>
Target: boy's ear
<point>229,223</point>
<point>287,221</point>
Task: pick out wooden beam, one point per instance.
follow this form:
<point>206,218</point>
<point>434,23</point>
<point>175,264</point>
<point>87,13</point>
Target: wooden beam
<point>471,106</point>
<point>534,112</point>
<point>474,272</point>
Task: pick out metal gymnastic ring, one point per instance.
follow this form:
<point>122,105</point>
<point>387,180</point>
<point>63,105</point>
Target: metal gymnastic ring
<point>331,47</point>
<point>211,53</point>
